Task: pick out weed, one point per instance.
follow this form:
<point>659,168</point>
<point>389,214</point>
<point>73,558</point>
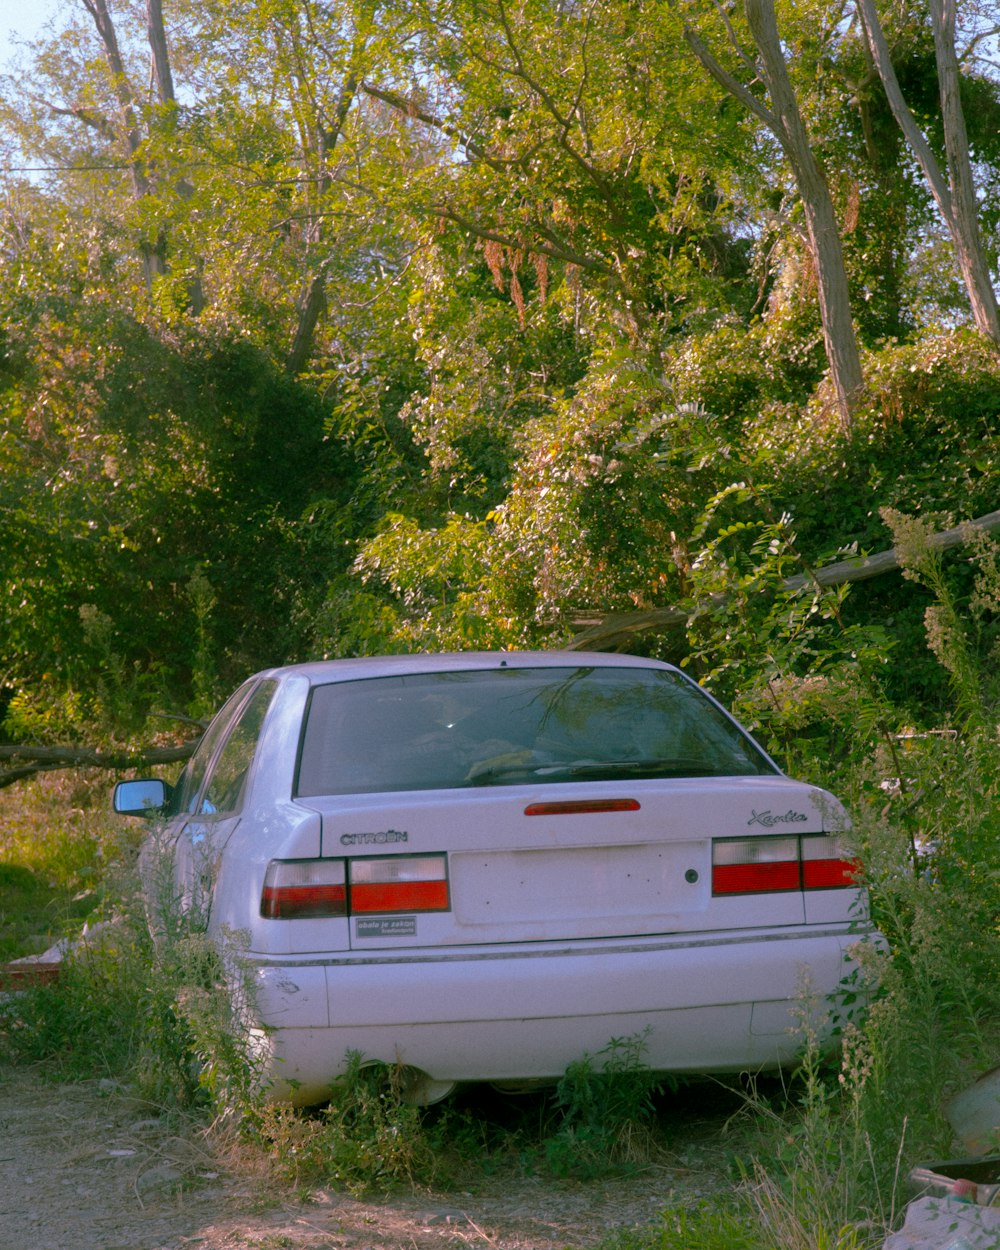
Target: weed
<point>55,851</point>
<point>367,1137</point>
<point>955,629</point>
<point>718,1225</point>
<point>159,1014</point>
<point>605,1106</point>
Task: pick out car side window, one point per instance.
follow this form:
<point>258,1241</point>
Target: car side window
<point>227,781</point>
<point>191,779</point>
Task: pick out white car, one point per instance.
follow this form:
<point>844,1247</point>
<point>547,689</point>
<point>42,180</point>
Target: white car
<point>485,866</point>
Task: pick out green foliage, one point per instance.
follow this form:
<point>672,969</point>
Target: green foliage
<point>164,480</point>
<point>367,1138</point>
<point>206,695</point>
<point>435,576</point>
<point>960,633</point>
<point>164,1016</point>
<point>605,1108</point>
<point>563,237</point>
<point>924,441</point>
<point>708,1225</point>
<point>92,1021</point>
<point>55,849</point>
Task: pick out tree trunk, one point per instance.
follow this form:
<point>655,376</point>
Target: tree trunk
<point>956,195</point>
<point>824,234</point>
<point>784,120</point>
<point>157,37</point>
<point>311,306</point>
<point>313,300</point>
<point>152,253</point>
<point>614,629</point>
<point>965,206</point>
<point>27,761</point>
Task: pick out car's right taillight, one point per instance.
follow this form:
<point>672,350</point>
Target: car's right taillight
<point>828,865</point>
<point>772,865</point>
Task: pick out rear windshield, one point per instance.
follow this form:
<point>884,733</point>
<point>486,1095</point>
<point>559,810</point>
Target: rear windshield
<point>510,726</point>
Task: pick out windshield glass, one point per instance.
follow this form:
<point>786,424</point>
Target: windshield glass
<point>510,726</point>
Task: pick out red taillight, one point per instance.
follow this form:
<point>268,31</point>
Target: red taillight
<point>399,883</point>
<point>575,807</point>
<point>300,889</point>
<point>773,865</point>
<point>827,866</point>
<point>755,865</point>
<point>309,889</point>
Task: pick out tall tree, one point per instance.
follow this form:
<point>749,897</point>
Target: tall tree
<point>131,126</point>
<point>784,120</point>
<point>954,187</point>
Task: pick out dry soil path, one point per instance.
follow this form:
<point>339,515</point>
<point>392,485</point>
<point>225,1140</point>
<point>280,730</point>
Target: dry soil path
<point>84,1167</point>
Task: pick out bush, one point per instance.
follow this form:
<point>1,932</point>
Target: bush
<point>368,1137</point>
<point>605,1111</point>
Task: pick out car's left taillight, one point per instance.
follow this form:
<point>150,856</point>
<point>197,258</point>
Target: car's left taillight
<point>302,889</point>
<point>398,883</point>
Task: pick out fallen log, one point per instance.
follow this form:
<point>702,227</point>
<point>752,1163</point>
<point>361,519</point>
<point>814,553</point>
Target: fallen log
<point>26,761</point>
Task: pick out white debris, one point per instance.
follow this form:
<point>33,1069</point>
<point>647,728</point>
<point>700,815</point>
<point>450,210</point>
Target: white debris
<point>947,1224</point>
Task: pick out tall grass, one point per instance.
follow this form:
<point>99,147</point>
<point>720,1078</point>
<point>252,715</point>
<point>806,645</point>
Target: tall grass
<point>58,845</point>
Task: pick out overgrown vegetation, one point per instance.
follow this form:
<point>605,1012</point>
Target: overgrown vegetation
<point>461,364</point>
<point>299,360</point>
<point>819,1164</point>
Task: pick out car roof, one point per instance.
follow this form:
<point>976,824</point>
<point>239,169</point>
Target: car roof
<point>320,672</point>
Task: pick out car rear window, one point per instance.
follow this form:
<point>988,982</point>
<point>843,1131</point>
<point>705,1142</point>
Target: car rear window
<point>510,726</point>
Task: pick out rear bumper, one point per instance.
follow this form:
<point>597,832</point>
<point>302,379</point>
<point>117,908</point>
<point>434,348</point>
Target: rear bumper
<point>717,1002</point>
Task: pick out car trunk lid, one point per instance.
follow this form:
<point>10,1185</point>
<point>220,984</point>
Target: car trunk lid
<point>592,860</point>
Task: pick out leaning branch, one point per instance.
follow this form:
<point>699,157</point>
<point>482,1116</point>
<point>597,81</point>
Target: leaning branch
<point>614,629</point>
<point>555,248</point>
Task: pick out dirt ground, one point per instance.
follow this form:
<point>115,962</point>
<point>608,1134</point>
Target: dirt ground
<point>84,1167</point>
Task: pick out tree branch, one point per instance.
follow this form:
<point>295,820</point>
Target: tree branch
<point>615,629</point>
<point>729,81</point>
<point>94,120</point>
<point>26,761</point>
<point>554,248</point>
<point>879,48</point>
<point>409,107</point>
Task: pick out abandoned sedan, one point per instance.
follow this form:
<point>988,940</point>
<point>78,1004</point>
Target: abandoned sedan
<point>485,866</point>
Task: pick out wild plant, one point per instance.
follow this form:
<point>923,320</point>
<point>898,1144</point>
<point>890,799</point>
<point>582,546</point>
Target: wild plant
<point>959,631</point>
<point>146,997</point>
<point>928,819</point>
<point>775,644</point>
<point>204,676</point>
<point>55,850</point>
<point>202,1027</point>
<point>816,1180</point>
<point>367,1137</point>
<point>605,1108</point>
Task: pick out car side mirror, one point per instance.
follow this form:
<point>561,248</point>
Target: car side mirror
<point>149,798</point>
